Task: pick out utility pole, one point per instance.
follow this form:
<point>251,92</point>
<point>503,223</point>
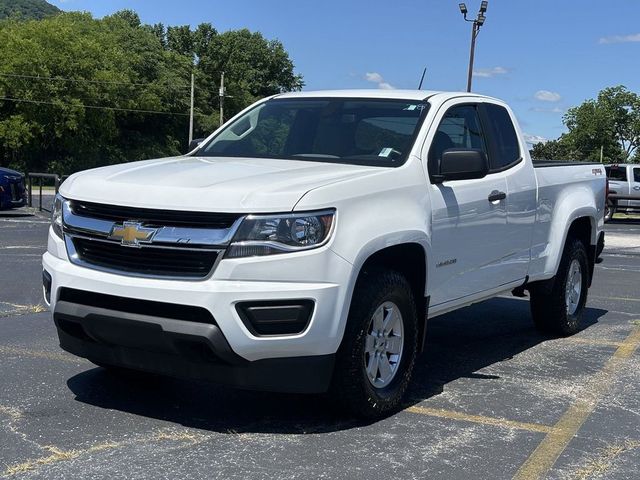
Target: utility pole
<point>191,111</point>
<point>475,30</point>
<point>221,94</point>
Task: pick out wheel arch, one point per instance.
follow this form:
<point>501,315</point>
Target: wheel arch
<point>409,258</point>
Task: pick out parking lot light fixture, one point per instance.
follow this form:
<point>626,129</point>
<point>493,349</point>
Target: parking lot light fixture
<point>475,29</point>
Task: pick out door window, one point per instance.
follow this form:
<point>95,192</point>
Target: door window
<point>460,128</point>
<point>636,175</point>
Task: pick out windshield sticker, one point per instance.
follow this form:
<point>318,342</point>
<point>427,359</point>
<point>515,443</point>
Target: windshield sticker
<point>415,106</point>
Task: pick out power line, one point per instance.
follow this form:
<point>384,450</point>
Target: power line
<point>79,80</point>
<point>95,107</point>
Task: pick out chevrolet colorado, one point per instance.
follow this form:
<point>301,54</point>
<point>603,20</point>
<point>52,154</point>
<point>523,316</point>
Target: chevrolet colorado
<point>303,246</point>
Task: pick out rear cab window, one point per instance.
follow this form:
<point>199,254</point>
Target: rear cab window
<point>503,139</point>
<point>615,172</point>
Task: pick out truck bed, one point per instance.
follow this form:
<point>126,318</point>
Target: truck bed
<point>555,163</point>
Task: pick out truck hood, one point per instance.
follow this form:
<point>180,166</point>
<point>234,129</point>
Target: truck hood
<point>218,184</point>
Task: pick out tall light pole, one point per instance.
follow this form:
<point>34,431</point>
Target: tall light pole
<point>222,93</point>
<point>191,109</point>
<point>475,29</point>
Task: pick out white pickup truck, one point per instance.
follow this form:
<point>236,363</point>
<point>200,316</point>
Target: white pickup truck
<point>624,189</point>
<point>303,246</point>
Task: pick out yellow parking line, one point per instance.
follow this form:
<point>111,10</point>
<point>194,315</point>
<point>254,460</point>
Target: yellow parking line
<point>616,298</point>
<point>593,341</point>
<point>547,453</point>
<point>60,357</point>
<point>465,417</point>
<point>56,454</point>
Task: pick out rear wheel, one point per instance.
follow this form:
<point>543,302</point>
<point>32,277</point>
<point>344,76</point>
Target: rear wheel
<point>557,304</point>
<point>377,355</point>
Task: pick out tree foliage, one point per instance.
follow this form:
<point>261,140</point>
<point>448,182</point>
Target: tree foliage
<point>81,92</point>
<point>27,9</point>
<point>610,123</point>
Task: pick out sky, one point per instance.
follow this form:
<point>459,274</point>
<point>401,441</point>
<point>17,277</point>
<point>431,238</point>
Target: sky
<point>540,56</point>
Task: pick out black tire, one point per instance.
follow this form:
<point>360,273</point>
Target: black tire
<point>350,385</point>
<point>548,298</point>
<point>609,211</point>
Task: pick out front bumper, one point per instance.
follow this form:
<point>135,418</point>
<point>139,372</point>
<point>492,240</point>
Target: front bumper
<point>227,351</point>
<point>181,349</point>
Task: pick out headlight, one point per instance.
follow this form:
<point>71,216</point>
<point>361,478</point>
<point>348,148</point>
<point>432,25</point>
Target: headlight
<point>56,215</point>
<point>271,234</point>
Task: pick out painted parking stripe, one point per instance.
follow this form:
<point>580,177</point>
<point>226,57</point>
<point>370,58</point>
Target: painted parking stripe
<point>59,357</point>
<point>554,443</point>
<point>465,417</point>
<point>622,299</point>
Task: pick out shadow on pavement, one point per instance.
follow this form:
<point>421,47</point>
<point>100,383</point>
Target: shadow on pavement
<point>624,221</point>
<point>459,344</point>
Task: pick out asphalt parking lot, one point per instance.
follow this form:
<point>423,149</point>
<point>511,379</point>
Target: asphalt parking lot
<point>491,398</point>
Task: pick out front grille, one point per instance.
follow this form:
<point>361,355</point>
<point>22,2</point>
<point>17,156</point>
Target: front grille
<point>136,306</point>
<point>152,261</point>
<point>154,217</point>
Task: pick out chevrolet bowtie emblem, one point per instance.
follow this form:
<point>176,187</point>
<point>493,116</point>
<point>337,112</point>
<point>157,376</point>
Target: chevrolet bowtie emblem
<point>132,234</point>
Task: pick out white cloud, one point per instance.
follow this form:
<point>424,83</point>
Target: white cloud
<point>533,139</point>
<point>547,110</point>
<point>375,77</point>
<point>547,96</point>
<point>620,39</point>
<point>490,72</point>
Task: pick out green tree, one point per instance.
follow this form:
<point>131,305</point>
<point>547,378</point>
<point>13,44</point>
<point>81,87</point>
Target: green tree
<point>85,63</point>
<point>27,9</point>
<point>254,68</point>
<point>611,123</point>
<point>181,40</point>
<point>559,149</point>
<point>77,92</point>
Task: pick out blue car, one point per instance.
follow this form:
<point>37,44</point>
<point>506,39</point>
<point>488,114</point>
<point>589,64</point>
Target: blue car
<point>13,193</point>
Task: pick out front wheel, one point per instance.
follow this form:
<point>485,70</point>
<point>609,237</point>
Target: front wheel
<point>557,304</point>
<point>377,355</point>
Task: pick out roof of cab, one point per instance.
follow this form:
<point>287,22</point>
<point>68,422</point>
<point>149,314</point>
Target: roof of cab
<point>375,93</point>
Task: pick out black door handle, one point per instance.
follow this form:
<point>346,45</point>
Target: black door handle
<point>496,196</point>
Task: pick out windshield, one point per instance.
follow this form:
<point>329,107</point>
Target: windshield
<point>376,132</point>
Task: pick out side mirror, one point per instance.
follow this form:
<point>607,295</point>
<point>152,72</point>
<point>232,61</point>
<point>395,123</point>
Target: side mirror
<point>194,143</point>
<point>462,164</point>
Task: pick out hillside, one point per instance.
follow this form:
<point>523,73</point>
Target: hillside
<point>28,9</point>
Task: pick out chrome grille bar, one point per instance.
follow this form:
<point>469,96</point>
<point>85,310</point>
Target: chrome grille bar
<point>166,246</point>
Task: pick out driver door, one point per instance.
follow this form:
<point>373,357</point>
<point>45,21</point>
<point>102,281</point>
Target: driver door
<point>468,227</point>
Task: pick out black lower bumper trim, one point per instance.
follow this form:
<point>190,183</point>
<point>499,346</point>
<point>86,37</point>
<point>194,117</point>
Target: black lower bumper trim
<point>181,349</point>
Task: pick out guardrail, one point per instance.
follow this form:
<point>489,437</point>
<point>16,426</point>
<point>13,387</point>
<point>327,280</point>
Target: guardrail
<point>41,177</point>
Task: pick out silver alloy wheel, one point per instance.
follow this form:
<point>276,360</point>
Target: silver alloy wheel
<point>384,344</point>
<point>574,287</point>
